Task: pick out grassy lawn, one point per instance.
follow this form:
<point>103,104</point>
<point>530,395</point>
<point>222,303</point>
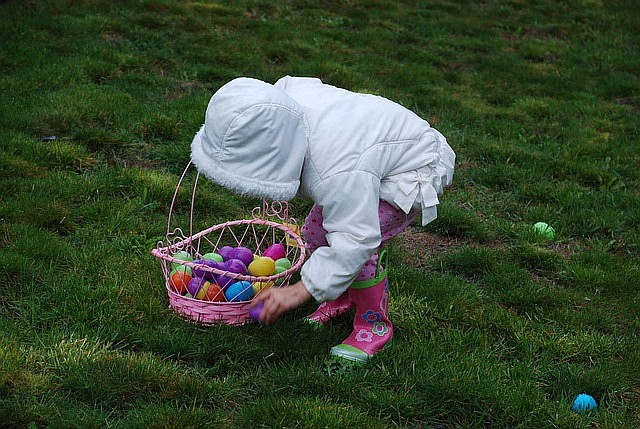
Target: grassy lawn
<point>495,326</point>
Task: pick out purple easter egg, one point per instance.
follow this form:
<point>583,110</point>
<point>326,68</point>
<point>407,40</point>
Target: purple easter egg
<point>236,266</point>
<point>255,312</point>
<point>244,254</point>
<point>226,252</point>
<point>195,284</point>
<point>222,280</point>
<point>199,272</point>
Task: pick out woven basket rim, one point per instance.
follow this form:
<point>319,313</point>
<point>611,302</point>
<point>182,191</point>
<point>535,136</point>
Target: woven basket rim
<point>165,252</point>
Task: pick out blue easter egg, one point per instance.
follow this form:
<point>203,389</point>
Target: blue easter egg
<point>584,402</point>
<point>239,291</point>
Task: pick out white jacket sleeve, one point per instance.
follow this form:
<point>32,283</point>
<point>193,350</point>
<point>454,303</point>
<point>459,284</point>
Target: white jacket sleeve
<point>349,203</point>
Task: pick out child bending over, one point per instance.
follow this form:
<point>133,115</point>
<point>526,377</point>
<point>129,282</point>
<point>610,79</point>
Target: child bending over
<point>370,166</point>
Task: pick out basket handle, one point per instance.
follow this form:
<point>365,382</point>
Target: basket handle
<point>173,201</point>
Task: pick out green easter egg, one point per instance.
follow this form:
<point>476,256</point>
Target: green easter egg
<point>283,262</point>
<point>183,255</point>
<point>212,256</point>
<point>545,230</point>
<point>179,267</point>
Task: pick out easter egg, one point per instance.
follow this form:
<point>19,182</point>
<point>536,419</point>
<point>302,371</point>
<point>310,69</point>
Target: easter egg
<point>214,293</point>
<point>226,252</point>
<point>260,286</point>
<point>275,252</point>
<point>179,280</point>
<point>195,284</point>
<point>199,272</point>
<point>182,255</point>
<point>584,402</point>
<point>242,253</point>
<point>212,256</point>
<point>203,290</point>
<point>182,268</point>
<point>291,241</point>
<point>284,263</point>
<point>239,291</point>
<point>279,269</point>
<point>236,266</point>
<point>223,281</point>
<point>233,266</point>
<point>212,263</point>
<point>544,230</point>
<point>262,266</point>
<point>255,311</point>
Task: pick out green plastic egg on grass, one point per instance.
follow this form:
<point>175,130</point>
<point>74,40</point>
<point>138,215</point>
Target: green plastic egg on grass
<point>544,230</point>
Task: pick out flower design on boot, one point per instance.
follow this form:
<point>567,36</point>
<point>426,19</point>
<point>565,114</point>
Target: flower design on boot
<point>364,335</point>
<point>380,329</point>
<point>371,317</point>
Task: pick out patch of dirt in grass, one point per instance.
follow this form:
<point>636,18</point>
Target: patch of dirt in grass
<point>185,88</point>
<point>564,249</point>
<point>417,246</point>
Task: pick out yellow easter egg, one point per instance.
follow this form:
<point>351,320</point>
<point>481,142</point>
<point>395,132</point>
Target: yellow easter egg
<point>260,286</point>
<point>290,241</point>
<point>262,266</point>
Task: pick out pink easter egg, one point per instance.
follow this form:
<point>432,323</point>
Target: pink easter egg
<point>275,252</point>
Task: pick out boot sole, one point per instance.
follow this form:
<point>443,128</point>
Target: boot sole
<point>353,354</point>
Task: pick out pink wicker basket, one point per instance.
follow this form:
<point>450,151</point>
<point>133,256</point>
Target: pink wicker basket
<point>268,225</point>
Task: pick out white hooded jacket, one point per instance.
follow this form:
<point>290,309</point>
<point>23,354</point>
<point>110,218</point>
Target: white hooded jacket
<point>344,150</point>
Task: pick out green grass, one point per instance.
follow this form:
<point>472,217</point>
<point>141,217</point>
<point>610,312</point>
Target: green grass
<point>495,327</point>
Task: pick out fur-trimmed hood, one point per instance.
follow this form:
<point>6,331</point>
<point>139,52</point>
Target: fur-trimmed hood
<point>253,140</point>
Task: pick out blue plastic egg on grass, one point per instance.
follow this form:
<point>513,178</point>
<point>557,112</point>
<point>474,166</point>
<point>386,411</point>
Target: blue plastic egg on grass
<point>239,291</point>
<point>584,402</point>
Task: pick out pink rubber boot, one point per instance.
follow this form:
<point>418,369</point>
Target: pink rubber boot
<point>331,309</point>
<point>372,328</point>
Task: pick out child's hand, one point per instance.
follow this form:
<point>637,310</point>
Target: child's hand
<point>279,300</point>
